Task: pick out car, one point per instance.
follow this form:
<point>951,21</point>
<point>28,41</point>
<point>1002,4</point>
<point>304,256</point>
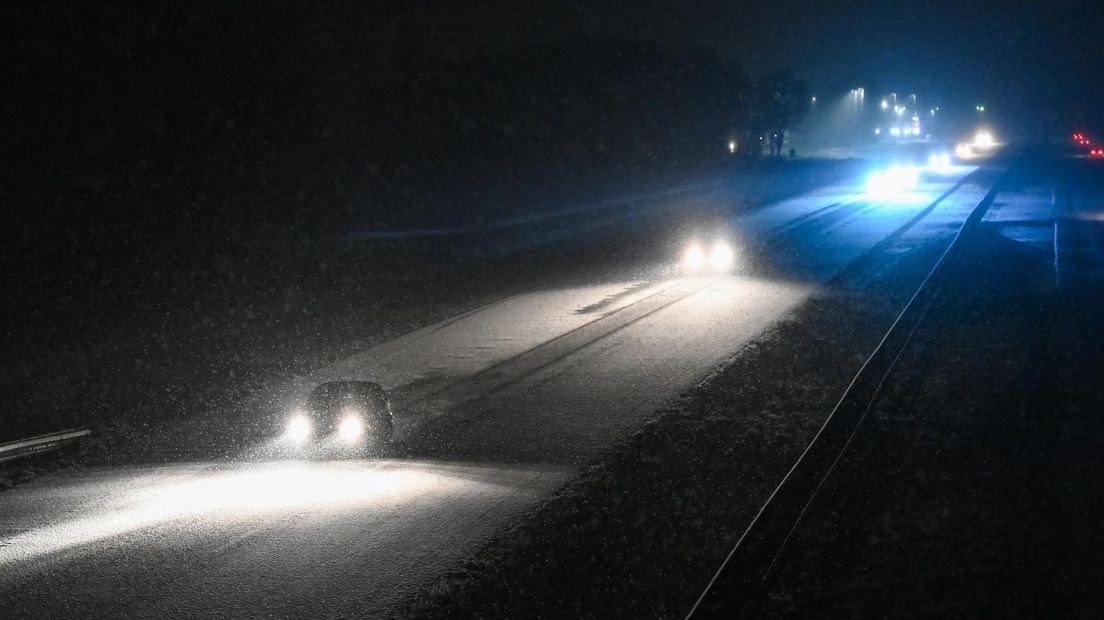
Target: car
<point>348,417</point>
<point>704,257</point>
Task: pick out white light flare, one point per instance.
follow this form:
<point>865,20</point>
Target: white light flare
<point>717,257</point>
<point>892,182</point>
<point>351,427</point>
<point>721,257</point>
<point>939,161</point>
<point>694,258</point>
<point>180,495</point>
<point>299,428</point>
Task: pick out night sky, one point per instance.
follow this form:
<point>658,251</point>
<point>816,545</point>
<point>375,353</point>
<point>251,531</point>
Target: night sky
<point>1029,61</point>
<point>1032,61</point>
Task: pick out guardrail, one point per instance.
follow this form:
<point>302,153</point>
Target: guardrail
<point>40,443</point>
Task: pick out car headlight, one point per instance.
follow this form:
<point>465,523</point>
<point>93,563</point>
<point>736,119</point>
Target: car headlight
<point>939,161</point>
<point>889,182</point>
<point>694,258</point>
<point>983,139</point>
<point>351,427</point>
<point>298,428</point>
<point>720,257</point>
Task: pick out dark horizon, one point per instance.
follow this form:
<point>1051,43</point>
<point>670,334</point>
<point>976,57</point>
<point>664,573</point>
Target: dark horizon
<point>1034,61</point>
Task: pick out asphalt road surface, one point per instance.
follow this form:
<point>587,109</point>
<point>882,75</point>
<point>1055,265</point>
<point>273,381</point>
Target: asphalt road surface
<point>495,408</point>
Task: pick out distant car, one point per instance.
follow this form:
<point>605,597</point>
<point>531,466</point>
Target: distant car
<point>345,416</point>
<point>700,257</point>
<point>1097,152</point>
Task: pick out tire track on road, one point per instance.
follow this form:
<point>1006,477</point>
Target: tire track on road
<point>510,371</point>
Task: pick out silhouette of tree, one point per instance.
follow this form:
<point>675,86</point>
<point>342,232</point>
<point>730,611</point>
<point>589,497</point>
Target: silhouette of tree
<point>784,100</point>
<point>773,104</point>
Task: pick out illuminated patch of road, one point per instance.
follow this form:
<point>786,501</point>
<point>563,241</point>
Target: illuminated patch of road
<point>569,411</point>
<point>423,361</point>
<point>207,496</point>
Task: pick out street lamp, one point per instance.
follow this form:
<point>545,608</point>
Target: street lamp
<point>885,104</point>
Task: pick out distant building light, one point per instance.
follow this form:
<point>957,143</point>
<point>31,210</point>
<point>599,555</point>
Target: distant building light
<point>731,146</point>
<point>877,131</point>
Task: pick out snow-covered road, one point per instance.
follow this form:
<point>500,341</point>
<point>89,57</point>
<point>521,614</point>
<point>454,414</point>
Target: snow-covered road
<point>498,407</point>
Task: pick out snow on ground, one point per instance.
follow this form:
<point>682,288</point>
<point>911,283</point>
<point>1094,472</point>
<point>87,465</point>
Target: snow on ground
<point>559,376</point>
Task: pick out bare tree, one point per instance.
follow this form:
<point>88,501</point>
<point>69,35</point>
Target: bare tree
<point>778,101</point>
